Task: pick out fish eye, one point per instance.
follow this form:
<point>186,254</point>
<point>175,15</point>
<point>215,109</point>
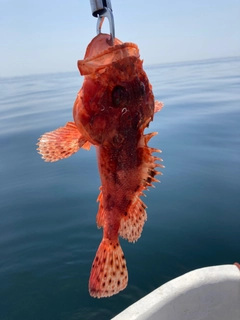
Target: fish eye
<point>119,96</point>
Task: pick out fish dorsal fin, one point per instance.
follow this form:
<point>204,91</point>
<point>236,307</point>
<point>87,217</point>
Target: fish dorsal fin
<point>109,271</point>
<point>133,220</point>
<point>61,143</point>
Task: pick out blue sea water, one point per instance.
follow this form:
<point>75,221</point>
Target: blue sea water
<point>48,234</point>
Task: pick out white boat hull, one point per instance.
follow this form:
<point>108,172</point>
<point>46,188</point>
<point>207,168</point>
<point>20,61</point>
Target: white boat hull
<point>211,293</point>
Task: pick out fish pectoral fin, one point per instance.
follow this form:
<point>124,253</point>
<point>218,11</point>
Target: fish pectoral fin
<point>109,271</point>
<point>132,222</point>
<point>61,143</point>
<point>158,106</point>
<point>100,214</point>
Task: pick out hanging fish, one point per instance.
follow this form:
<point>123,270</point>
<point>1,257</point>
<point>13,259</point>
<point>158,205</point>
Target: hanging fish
<point>111,111</point>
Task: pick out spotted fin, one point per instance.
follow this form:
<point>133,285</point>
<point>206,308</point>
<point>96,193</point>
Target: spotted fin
<point>133,220</point>
<point>61,143</point>
<point>109,272</point>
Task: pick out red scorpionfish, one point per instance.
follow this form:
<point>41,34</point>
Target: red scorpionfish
<point>111,111</point>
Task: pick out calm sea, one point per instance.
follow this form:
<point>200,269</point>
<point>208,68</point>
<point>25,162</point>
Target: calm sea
<point>48,234</point>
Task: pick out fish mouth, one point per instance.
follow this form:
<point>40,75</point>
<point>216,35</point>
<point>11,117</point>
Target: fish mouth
<point>100,54</point>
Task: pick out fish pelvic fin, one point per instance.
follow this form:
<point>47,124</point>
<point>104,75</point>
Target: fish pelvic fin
<point>158,106</point>
<point>109,273</point>
<point>61,143</point>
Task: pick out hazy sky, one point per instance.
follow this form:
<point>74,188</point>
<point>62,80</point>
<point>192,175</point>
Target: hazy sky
<point>44,36</point>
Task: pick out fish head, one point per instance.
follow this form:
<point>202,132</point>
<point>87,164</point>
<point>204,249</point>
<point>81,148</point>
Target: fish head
<point>116,97</point>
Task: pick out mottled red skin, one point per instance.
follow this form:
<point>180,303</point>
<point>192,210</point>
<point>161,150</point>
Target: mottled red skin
<point>113,120</point>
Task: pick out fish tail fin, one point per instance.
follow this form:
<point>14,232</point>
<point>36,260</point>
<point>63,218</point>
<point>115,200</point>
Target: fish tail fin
<point>109,271</point>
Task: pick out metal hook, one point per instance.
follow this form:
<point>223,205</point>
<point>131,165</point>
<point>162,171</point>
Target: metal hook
<point>107,14</point>
<point>103,9</point>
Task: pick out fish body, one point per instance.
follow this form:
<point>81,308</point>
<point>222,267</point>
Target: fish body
<point>111,111</point>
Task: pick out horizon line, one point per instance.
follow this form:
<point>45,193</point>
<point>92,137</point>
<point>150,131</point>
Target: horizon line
<point>162,64</point>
